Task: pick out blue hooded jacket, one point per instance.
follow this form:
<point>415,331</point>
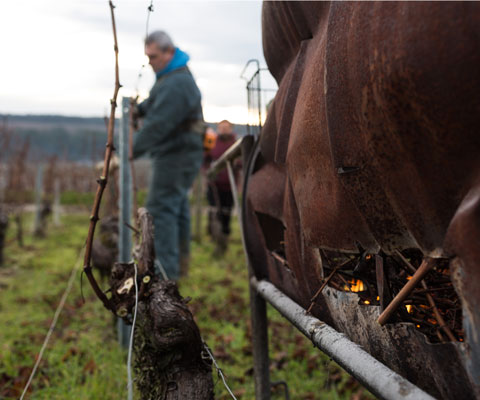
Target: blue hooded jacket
<point>179,60</point>
<point>174,101</point>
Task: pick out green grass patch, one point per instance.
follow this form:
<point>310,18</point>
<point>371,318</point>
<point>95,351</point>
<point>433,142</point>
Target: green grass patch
<point>73,198</point>
<point>84,360</point>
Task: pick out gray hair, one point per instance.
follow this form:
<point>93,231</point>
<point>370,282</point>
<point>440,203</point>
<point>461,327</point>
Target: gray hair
<point>161,39</point>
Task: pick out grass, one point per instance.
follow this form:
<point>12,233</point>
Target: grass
<point>74,198</point>
<point>67,197</point>
<point>83,359</point>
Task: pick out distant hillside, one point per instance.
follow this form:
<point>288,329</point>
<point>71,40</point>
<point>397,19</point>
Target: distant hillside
<point>70,138</point>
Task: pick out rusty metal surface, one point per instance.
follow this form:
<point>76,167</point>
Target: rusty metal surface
<point>439,368</point>
<point>371,112</point>
<point>463,242</point>
<point>371,145</point>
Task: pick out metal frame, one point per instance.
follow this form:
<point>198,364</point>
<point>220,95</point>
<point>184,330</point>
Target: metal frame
<point>254,94</point>
<point>374,375</point>
<point>258,307</point>
<point>377,377</point>
<point>125,208</point>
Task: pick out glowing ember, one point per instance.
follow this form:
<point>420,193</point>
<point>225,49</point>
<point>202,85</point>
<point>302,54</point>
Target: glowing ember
<point>354,285</point>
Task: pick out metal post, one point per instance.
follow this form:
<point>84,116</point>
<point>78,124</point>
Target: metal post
<point>258,306</point>
<point>261,359</point>
<point>258,311</point>
<point>259,88</point>
<point>56,202</point>
<point>38,229</point>
<point>125,208</point>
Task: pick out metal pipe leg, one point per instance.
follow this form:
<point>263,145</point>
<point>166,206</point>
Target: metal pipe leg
<point>261,361</point>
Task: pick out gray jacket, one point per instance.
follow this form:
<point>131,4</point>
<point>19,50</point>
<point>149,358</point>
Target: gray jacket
<point>171,114</point>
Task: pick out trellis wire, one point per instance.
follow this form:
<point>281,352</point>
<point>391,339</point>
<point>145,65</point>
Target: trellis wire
<point>130,346</point>
<point>140,73</point>
<point>150,10</point>
<point>219,370</point>
<point>54,322</point>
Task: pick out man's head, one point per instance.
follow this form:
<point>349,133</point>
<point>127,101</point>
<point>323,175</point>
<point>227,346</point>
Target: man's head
<point>224,127</point>
<point>159,49</point>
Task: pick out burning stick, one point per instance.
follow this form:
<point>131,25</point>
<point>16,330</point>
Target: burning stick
<point>325,282</point>
<point>438,316</point>
<point>426,266</point>
<point>102,181</point>
<point>279,258</point>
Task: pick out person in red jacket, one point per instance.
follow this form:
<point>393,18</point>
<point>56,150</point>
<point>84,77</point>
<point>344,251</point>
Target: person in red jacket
<point>219,192</point>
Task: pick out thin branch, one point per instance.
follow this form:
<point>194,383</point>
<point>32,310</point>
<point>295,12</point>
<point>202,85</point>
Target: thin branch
<point>417,277</point>
<point>137,232</point>
<point>102,180</point>
<point>279,258</point>
<point>325,282</point>
<point>438,316</point>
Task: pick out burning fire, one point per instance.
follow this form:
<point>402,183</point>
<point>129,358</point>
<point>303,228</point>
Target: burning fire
<point>409,308</point>
<point>354,285</point>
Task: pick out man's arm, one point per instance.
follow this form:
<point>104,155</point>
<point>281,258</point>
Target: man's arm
<point>140,109</point>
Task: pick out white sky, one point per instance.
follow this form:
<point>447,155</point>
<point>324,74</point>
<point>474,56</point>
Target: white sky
<point>57,55</point>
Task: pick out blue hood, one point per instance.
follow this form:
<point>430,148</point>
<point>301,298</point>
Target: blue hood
<point>179,60</point>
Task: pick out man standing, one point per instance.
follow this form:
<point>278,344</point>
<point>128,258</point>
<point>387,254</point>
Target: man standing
<point>172,136</point>
<point>219,192</point>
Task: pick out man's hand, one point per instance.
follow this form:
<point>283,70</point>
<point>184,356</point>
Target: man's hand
<point>135,113</point>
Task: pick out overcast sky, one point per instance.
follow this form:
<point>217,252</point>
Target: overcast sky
<point>57,55</point>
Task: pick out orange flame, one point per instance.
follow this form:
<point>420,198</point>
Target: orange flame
<point>355,285</point>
